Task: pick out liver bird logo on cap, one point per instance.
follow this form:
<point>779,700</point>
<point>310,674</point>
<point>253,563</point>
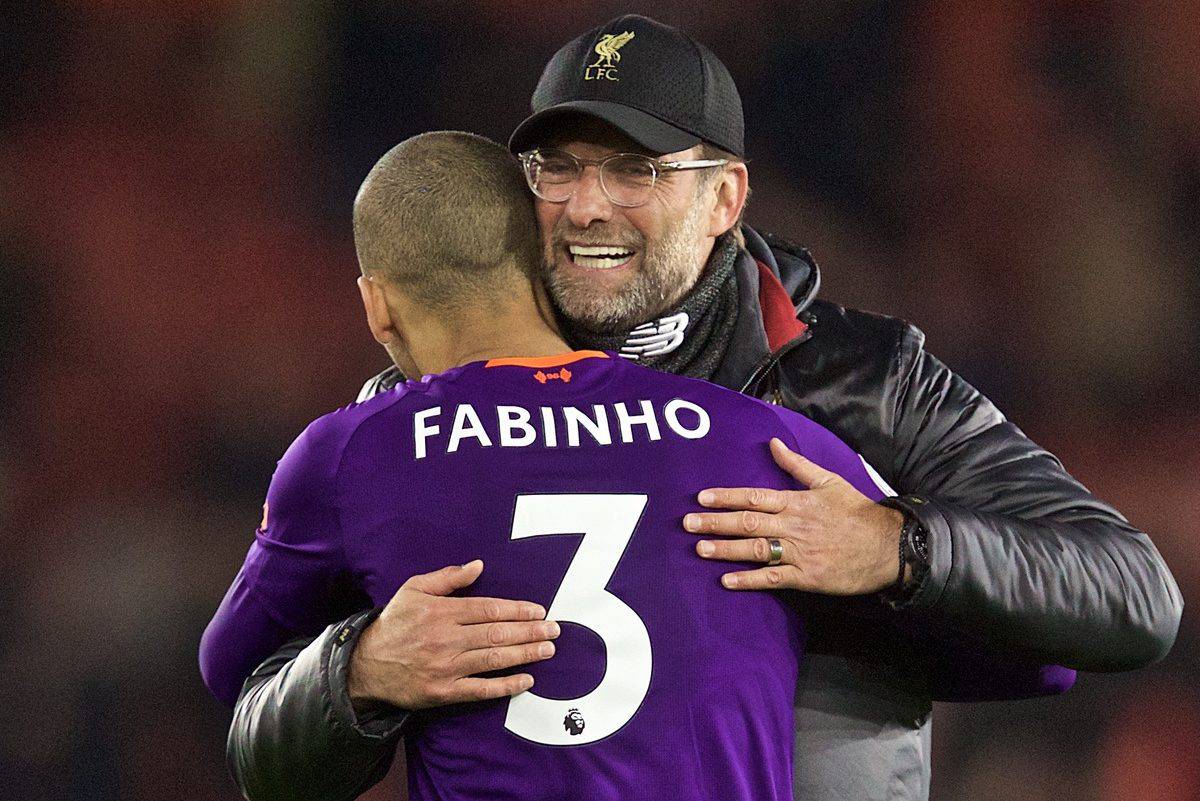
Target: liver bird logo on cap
<point>608,54</point>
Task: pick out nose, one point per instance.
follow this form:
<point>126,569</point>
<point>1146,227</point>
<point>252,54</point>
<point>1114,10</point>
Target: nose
<point>589,203</point>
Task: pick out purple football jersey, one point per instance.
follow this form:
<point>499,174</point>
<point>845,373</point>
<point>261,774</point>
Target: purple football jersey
<point>569,478</point>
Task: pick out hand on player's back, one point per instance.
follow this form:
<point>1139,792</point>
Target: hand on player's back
<point>834,539</point>
<point>425,648</point>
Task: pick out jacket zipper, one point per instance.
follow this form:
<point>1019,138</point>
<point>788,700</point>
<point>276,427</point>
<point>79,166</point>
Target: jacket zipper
<point>768,364</point>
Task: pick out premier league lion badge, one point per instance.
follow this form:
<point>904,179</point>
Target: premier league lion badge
<point>573,722</point>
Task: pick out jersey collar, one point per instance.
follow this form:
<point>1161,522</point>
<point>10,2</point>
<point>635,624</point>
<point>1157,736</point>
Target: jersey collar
<point>547,361</point>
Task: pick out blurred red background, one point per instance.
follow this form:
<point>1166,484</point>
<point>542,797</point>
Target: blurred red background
<point>1021,180</point>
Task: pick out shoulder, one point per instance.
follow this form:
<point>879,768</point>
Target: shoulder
<point>850,375</point>
<point>309,478</point>
<point>860,331</point>
<point>822,446</point>
<point>855,343</point>
<point>320,447</point>
<point>808,436</point>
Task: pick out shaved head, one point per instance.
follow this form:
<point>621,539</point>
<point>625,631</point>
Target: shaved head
<point>446,216</point>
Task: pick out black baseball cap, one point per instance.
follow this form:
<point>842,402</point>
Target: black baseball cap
<point>658,86</point>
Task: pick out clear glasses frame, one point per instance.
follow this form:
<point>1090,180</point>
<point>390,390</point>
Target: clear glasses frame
<point>627,179</point>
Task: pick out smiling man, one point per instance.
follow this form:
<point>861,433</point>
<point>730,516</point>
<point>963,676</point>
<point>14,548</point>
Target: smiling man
<point>992,562</point>
<point>606,273</point>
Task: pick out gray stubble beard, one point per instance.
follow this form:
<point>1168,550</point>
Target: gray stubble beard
<point>668,271</point>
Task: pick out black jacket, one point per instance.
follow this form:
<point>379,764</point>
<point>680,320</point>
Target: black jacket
<point>1028,568</point>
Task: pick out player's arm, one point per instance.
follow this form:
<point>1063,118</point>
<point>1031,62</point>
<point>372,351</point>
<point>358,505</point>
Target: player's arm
<point>285,740</point>
<point>295,734</point>
<point>292,581</point>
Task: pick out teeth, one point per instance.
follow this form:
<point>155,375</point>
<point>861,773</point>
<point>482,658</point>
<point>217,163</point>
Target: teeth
<point>601,262</point>
<point>599,250</point>
<point>599,257</point>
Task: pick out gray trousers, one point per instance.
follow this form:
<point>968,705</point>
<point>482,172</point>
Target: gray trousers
<point>859,737</point>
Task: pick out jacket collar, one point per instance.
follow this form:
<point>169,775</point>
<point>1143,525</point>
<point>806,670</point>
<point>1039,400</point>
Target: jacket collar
<point>774,286</point>
<point>792,265</point>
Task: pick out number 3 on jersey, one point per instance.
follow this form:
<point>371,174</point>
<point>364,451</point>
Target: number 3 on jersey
<point>607,523</point>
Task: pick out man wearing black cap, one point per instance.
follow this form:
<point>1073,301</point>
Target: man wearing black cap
<point>991,562</point>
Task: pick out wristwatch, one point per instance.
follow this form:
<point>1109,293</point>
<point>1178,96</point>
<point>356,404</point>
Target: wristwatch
<point>914,554</point>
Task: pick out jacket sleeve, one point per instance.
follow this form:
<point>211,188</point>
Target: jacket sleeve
<point>1024,558</point>
<point>295,735</point>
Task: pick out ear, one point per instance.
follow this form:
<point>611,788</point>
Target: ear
<point>379,316</point>
<point>731,192</point>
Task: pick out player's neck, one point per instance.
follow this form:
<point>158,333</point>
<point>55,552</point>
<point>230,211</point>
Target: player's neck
<point>525,349</point>
<point>498,338</point>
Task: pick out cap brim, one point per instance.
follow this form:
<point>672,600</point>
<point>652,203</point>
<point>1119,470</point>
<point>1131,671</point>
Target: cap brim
<point>647,130</point>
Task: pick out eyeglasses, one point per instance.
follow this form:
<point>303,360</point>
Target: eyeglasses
<point>627,179</point>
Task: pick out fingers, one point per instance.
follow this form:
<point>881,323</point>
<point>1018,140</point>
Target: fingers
<point>446,580</point>
<point>484,660</point>
<point>488,635</point>
<point>780,577</point>
<point>752,498</point>
<point>807,473</point>
<point>752,550</point>
<point>494,610</point>
<point>733,524</point>
<point>473,689</point>
<point>472,610</point>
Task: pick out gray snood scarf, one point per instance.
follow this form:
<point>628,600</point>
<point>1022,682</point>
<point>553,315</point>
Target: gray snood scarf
<point>689,339</point>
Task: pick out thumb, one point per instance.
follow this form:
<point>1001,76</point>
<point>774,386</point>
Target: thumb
<point>808,473</point>
<point>446,580</point>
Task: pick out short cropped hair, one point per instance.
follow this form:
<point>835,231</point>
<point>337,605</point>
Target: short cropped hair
<point>447,216</point>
